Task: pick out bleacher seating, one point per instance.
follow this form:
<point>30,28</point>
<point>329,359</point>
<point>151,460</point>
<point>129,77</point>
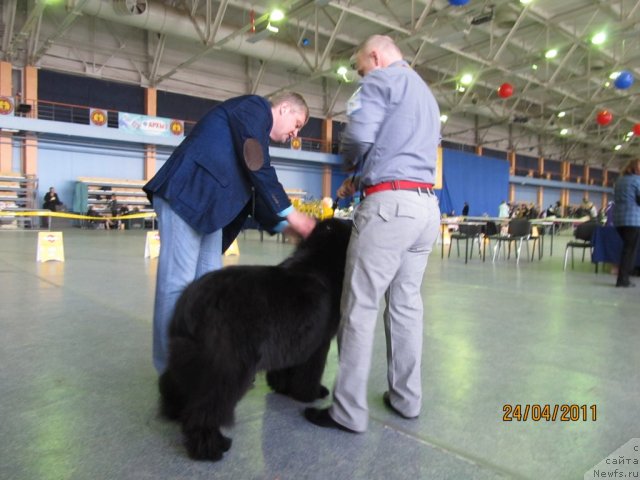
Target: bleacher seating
<point>18,193</point>
<point>98,194</point>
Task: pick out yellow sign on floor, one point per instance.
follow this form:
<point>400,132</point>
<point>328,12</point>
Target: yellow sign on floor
<point>152,246</point>
<point>50,247</point>
<point>233,249</point>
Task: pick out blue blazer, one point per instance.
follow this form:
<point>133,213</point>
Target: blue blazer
<point>209,179</point>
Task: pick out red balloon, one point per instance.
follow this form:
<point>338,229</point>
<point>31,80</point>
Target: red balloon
<point>604,117</point>
<point>505,90</point>
<point>636,129</point>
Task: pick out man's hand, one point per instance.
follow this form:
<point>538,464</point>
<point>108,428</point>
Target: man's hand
<point>347,189</point>
<point>301,223</point>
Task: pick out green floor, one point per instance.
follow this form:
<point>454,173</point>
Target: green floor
<point>79,401</point>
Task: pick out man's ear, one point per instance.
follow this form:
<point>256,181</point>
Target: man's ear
<point>376,58</point>
<point>284,108</point>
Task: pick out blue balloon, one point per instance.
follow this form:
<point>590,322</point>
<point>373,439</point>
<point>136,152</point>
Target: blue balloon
<point>458,3</point>
<point>624,80</point>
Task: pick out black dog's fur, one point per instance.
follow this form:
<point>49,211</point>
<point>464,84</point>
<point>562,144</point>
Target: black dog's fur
<point>234,322</point>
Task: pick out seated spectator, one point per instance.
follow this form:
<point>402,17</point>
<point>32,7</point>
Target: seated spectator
<point>93,224</point>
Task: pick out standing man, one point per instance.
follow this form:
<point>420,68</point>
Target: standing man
<point>392,138</point>
<point>203,194</point>
<point>626,218</point>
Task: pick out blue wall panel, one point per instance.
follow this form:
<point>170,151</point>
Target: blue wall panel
<point>60,165</point>
<point>483,182</point>
<point>575,197</point>
<point>299,176</point>
<point>526,194</point>
<point>550,197</point>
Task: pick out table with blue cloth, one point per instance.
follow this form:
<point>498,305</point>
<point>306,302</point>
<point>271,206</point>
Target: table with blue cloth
<point>607,246</point>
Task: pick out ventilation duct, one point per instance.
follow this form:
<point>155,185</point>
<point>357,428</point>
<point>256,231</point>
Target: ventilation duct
<point>163,19</point>
<point>505,18</point>
<point>130,7</point>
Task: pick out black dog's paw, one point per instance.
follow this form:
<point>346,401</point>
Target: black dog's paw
<point>323,392</point>
<point>206,444</point>
<point>225,442</point>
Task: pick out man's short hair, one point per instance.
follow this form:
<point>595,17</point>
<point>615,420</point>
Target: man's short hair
<point>293,98</point>
<point>383,42</point>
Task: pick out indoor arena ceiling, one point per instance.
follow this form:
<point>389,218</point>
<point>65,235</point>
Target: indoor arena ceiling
<point>218,49</point>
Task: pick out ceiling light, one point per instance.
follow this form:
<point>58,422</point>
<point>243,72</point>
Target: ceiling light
<point>345,74</point>
<point>466,79</point>
<point>549,54</point>
<point>276,15</point>
<point>617,147</point>
<point>444,118</point>
<point>599,38</point>
<point>561,114</point>
<point>564,131</point>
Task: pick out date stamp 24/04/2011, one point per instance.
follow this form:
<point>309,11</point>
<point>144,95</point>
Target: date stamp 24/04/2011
<point>549,413</point>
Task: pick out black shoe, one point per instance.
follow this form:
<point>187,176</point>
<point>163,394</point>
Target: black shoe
<point>321,418</point>
<point>387,402</point>
<point>628,284</point>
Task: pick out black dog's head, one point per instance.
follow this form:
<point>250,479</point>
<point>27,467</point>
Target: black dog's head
<point>325,249</point>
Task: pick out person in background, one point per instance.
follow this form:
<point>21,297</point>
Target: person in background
<point>202,195</point>
<point>588,209</point>
<point>114,208</point>
<point>626,218</point>
<point>465,210</point>
<point>503,209</point>
<point>51,202</point>
<point>391,139</point>
<point>558,211</point>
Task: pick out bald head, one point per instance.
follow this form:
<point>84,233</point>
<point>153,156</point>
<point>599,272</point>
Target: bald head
<point>377,51</point>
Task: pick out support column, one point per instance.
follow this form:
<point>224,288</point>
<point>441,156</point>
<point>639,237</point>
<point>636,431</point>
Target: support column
<point>327,142</point>
<point>586,172</point>
<point>540,196</point>
<point>150,108</point>
<point>6,138</point>
<point>30,97</point>
<point>564,195</point>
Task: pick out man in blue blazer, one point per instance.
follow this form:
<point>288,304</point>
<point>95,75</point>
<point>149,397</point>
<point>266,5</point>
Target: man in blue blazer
<point>203,194</point>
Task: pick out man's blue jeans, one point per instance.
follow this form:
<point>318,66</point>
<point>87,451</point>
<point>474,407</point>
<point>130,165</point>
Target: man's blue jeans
<point>185,255</point>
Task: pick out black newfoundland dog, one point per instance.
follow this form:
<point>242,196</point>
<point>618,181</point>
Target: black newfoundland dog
<point>234,322</point>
